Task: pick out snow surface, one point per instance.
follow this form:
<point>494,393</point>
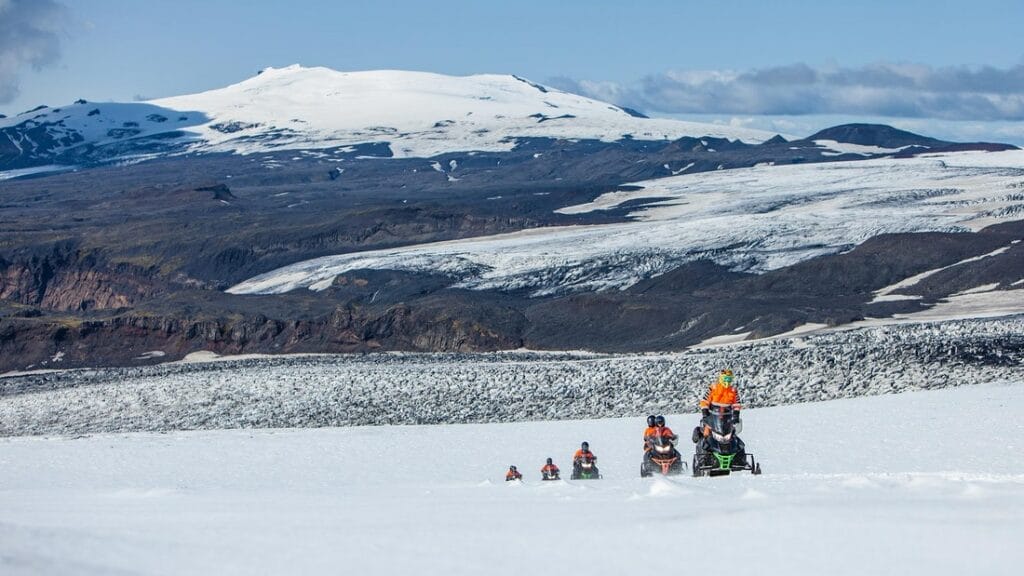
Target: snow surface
<point>752,219</point>
<point>8,174</point>
<point>897,484</point>
<point>838,148</point>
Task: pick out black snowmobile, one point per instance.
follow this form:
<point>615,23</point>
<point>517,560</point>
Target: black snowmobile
<point>585,469</point>
<point>662,458</point>
<point>721,452</point>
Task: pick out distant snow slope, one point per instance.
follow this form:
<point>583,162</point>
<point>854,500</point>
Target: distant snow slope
<point>928,483</point>
<point>420,114</point>
<point>416,113</point>
<point>751,219</point>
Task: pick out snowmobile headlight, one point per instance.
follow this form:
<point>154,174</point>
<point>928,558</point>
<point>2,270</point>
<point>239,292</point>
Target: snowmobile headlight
<point>663,448</point>
<point>722,437</point>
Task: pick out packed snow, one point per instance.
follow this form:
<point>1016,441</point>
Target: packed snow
<point>751,219</point>
<point>836,148</point>
<point>9,174</point>
<point>927,483</point>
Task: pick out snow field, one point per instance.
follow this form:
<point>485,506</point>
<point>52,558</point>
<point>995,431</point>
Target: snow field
<point>888,484</point>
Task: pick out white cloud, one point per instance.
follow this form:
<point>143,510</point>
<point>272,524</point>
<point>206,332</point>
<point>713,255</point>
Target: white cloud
<point>885,89</point>
<point>30,34</point>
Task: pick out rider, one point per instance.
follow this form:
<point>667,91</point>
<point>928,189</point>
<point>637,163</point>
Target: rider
<point>583,452</point>
<point>721,393</point>
<point>582,455</point>
<point>549,471</point>
<point>513,474</point>
<point>650,432</point>
<point>663,430</point>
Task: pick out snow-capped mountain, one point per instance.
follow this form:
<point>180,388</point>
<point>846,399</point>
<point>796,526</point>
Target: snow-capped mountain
<point>383,113</point>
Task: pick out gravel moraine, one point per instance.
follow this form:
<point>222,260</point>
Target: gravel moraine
<point>349,390</point>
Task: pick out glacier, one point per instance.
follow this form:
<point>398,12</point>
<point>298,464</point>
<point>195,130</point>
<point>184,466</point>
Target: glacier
<point>749,219</point>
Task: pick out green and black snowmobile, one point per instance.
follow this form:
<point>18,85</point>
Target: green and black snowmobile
<point>720,451</point>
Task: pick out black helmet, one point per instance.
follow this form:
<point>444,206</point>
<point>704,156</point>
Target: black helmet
<point>512,467</point>
<point>659,420</point>
<point>549,460</point>
<point>651,421</point>
<point>585,446</point>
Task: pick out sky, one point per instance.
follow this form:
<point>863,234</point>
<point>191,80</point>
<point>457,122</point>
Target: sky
<point>949,69</point>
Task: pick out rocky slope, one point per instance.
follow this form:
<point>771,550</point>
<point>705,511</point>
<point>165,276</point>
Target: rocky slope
<point>458,388</point>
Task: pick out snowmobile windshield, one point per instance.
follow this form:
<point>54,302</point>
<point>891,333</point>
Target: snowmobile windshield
<point>721,420</point>
<point>661,443</point>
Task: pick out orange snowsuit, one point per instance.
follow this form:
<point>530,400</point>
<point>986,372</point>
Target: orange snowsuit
<point>580,454</point>
<point>649,433</point>
<point>549,469</point>
<point>656,432</point>
<point>721,395</point>
<point>514,475</point>
<point>665,431</point>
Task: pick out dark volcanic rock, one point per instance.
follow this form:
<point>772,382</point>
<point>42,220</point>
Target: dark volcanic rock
<point>220,191</point>
<point>879,135</point>
<point>189,321</point>
<point>67,279</point>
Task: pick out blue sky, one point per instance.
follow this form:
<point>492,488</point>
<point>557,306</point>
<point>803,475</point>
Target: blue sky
<point>946,68</point>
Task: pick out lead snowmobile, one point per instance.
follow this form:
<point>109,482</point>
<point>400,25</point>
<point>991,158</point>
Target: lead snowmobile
<point>720,451</point>
<point>585,469</point>
<point>661,458</point>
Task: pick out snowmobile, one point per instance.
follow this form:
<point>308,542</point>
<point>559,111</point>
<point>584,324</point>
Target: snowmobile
<point>585,469</point>
<point>662,458</point>
<point>550,475</point>
<point>721,452</point>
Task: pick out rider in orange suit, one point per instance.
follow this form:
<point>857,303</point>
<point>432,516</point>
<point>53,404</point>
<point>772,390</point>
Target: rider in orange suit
<point>513,474</point>
<point>583,452</point>
<point>549,468</point>
<point>721,393</point>
<point>650,432</point>
<point>662,429</point>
